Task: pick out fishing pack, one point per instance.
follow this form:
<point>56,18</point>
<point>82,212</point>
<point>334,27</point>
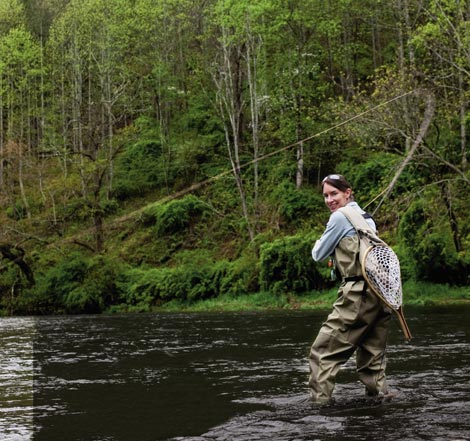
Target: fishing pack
<point>380,266</point>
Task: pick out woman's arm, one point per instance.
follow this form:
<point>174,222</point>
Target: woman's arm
<point>337,227</point>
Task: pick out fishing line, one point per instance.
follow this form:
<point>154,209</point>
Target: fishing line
<point>200,184</point>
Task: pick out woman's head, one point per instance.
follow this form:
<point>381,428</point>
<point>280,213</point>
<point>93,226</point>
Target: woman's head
<point>337,191</point>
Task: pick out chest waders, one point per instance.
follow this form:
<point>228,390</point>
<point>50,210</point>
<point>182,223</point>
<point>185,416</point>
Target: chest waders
<point>358,323</point>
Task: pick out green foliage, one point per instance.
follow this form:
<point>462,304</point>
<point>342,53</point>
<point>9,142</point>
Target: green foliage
<point>78,284</point>
<point>295,205</point>
<point>240,277</point>
<point>11,15</point>
<point>372,176</point>
<point>141,166</point>
<point>10,288</point>
<point>108,109</point>
<point>430,248</point>
<point>143,289</point>
<point>63,277</point>
<point>286,265</point>
<point>407,263</point>
<point>17,211</point>
<point>425,293</point>
<point>175,216</point>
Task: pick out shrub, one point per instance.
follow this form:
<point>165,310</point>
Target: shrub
<point>238,277</point>
<point>367,177</point>
<point>286,265</point>
<point>10,289</point>
<point>295,204</point>
<point>98,289</point>
<point>17,211</point>
<point>431,248</point>
<point>78,284</point>
<point>141,289</point>
<point>145,288</point>
<point>141,166</point>
<point>175,216</point>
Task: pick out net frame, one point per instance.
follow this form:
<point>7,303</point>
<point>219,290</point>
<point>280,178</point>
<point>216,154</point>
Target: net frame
<point>381,271</point>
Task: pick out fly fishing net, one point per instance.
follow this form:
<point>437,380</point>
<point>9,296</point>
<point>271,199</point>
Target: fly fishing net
<point>382,269</point>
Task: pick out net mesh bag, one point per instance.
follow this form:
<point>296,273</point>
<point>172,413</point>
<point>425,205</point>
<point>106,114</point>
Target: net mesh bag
<point>382,269</point>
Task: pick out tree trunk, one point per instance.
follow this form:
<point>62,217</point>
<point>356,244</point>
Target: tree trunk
<point>454,227</point>
<point>2,139</point>
<point>299,176</point>
<point>228,82</point>
<point>252,53</point>
<point>463,128</point>
<point>427,119</point>
<point>402,64</point>
<point>16,255</point>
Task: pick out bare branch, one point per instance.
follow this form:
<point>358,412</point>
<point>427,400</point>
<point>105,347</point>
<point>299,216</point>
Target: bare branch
<point>427,119</point>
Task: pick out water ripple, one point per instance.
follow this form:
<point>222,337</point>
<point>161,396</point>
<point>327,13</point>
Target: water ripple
<point>202,377</point>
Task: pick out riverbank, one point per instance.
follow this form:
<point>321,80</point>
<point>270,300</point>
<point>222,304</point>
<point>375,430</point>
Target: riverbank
<point>415,294</point>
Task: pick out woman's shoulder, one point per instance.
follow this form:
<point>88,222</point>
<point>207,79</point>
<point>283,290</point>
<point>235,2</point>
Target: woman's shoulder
<point>338,218</point>
<point>367,217</point>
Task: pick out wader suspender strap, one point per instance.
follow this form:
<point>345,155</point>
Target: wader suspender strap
<point>358,222</point>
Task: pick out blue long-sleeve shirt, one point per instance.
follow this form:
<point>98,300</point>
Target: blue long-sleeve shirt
<point>338,226</point>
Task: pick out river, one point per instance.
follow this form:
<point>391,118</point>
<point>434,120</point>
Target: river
<point>230,376</point>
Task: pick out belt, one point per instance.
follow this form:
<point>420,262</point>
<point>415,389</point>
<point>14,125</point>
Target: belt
<point>353,279</point>
<point>357,279</point>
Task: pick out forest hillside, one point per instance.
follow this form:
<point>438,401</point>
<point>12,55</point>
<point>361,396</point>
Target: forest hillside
<point>157,151</point>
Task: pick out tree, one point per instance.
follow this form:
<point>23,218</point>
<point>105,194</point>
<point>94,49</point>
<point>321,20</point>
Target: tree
<point>235,70</point>
<point>11,15</point>
<point>88,49</point>
<point>443,45</point>
<point>20,74</point>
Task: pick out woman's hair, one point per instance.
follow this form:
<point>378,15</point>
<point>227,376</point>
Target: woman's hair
<point>339,182</point>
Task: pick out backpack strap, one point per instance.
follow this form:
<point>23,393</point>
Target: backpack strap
<point>356,219</point>
<point>360,224</point>
<point>363,229</point>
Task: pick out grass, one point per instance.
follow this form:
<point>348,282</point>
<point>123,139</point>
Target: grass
<point>415,293</point>
<point>422,293</point>
<point>262,301</point>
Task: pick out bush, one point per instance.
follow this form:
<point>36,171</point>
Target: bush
<point>407,264</point>
<point>144,288</point>
<point>286,265</point>
<point>141,166</point>
<point>98,289</point>
<point>175,216</point>
<point>141,289</point>
<point>431,248</point>
<point>367,177</point>
<point>240,276</point>
<point>295,205</point>
<point>10,289</point>
<point>16,212</point>
<point>78,284</point>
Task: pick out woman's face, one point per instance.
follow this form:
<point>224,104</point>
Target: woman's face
<point>335,198</point>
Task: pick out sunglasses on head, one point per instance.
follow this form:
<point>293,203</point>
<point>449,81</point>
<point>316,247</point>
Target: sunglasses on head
<point>333,177</point>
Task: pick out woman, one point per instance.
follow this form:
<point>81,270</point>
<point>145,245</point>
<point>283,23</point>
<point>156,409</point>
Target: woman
<point>359,320</point>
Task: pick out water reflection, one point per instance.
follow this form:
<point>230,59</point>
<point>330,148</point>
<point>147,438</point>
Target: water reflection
<point>222,377</point>
<point>16,378</point>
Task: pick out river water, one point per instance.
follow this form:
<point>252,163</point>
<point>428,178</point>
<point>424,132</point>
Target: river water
<point>237,376</point>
